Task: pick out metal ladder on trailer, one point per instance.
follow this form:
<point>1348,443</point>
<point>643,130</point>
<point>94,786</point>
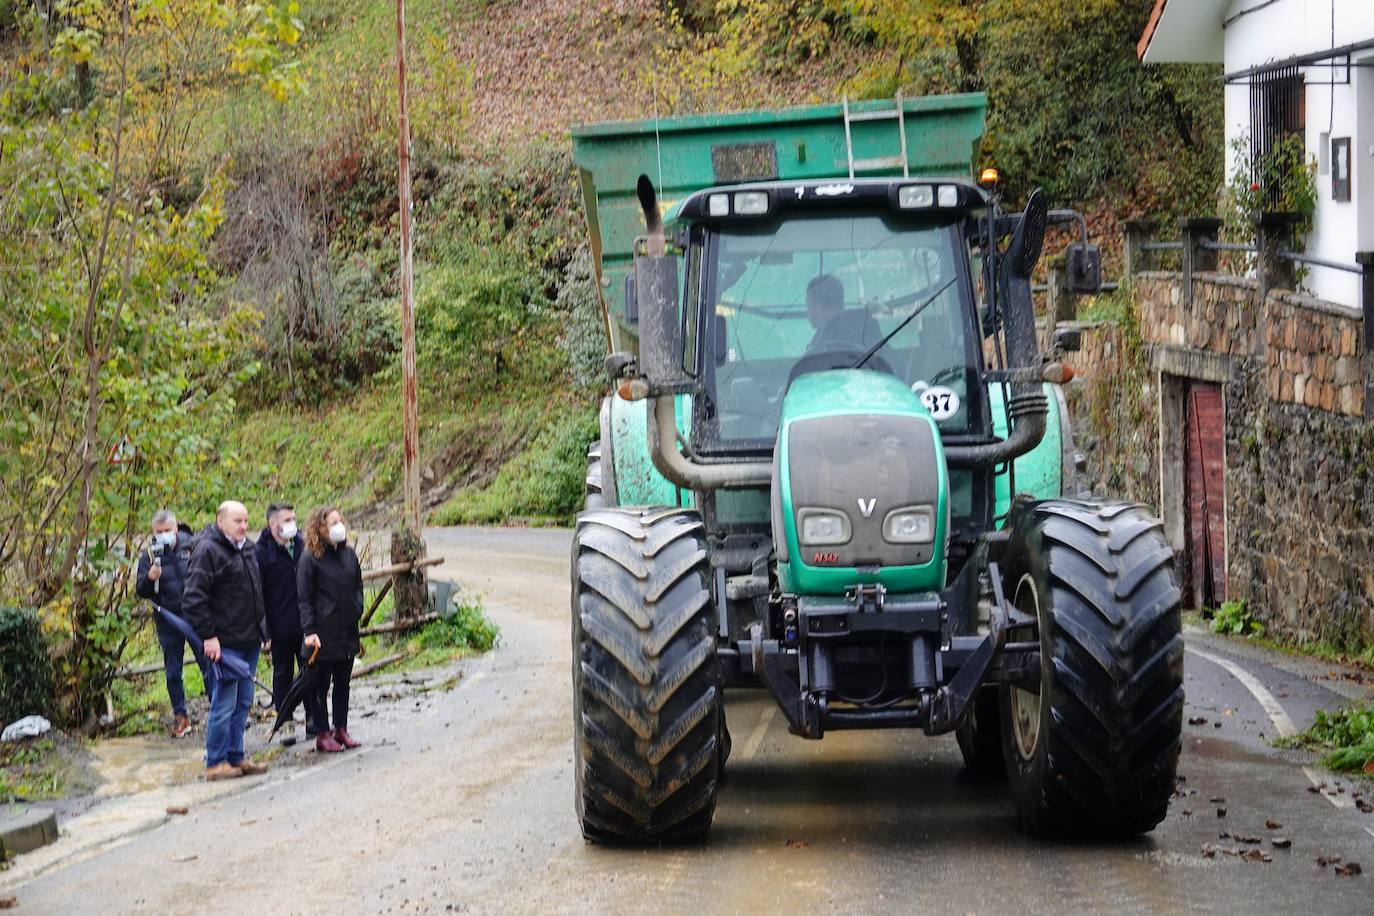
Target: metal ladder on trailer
<point>877,163</point>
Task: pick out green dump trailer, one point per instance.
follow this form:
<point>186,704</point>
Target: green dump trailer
<point>936,136</point>
<point>834,465</point>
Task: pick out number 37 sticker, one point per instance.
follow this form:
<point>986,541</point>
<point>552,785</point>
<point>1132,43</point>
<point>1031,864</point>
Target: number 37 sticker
<point>940,401</point>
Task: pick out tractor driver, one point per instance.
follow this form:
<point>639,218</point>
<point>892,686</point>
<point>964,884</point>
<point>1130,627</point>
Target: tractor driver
<point>837,328</point>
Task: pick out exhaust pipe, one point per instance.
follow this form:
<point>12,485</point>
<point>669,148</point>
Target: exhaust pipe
<point>1027,406</point>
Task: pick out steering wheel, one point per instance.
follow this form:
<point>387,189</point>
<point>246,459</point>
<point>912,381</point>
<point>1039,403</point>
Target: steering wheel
<point>843,356</point>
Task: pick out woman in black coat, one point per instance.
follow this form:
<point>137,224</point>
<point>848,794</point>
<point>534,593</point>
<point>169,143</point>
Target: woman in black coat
<point>329,586</point>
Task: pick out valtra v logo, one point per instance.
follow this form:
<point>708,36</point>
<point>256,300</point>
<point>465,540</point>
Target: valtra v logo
<point>866,506</point>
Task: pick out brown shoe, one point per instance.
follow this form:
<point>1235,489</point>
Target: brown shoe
<point>225,770</point>
<point>181,727</point>
<point>325,744</point>
<point>341,736</point>
<point>249,768</point>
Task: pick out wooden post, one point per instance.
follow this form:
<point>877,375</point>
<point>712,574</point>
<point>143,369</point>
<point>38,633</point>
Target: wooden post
<point>1138,232</point>
<point>1273,233</point>
<point>406,546</point>
<point>1197,259</point>
<point>1366,261</point>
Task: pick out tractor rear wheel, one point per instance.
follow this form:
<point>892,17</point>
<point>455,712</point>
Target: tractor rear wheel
<point>595,497</point>
<point>647,718</point>
<point>1096,750</point>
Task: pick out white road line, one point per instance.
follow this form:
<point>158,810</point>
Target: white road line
<point>1282,723</point>
<point>756,736</point>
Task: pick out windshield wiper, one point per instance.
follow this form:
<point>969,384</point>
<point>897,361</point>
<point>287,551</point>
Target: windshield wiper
<point>905,321</point>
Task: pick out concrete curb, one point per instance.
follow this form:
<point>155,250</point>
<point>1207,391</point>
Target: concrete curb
<point>24,828</point>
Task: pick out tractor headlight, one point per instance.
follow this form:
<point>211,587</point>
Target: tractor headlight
<point>718,205</point>
<point>915,195</point>
<point>910,525</point>
<point>751,203</point>
<point>823,526</point>
<point>948,195</point>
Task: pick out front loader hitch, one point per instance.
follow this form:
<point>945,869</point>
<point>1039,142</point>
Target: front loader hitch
<point>948,704</point>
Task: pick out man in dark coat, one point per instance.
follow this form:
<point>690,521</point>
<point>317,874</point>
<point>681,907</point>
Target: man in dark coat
<point>223,601</point>
<point>279,549</point>
<point>161,578</point>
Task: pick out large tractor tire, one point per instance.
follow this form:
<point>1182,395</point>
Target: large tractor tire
<point>1096,751</point>
<point>980,736</point>
<point>647,718</point>
<point>594,495</point>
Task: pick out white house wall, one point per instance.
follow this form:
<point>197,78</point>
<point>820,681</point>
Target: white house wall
<point>1293,27</point>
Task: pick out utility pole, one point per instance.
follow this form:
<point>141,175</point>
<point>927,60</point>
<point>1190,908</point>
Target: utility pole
<point>406,546</point>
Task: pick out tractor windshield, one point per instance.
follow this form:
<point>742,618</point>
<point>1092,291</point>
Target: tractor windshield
<point>810,294</point>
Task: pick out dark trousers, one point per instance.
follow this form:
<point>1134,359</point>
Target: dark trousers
<point>173,648</point>
<point>340,673</point>
<point>286,664</point>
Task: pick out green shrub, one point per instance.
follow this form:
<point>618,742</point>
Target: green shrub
<point>465,628</point>
<point>25,666</point>
<point>1233,617</point>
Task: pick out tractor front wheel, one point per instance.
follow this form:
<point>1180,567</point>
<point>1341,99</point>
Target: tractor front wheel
<point>1095,751</point>
<point>647,717</point>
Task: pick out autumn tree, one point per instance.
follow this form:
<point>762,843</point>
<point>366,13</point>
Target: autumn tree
<point>114,389</point>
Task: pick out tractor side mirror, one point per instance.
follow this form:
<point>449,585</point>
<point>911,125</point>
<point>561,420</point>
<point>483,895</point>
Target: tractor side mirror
<point>1084,268</point>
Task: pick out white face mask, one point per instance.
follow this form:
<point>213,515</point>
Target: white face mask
<point>288,531</point>
<point>168,538</point>
<point>337,532</point>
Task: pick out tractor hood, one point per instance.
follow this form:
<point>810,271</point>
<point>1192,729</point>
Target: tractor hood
<point>860,494</point>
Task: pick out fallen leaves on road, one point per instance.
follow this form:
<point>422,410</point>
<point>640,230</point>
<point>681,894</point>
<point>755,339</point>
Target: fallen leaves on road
<point>1239,838</point>
<point>1249,854</point>
<point>185,857</point>
<point>1349,870</point>
<point>1272,824</point>
<point>1197,720</point>
<point>797,844</point>
<point>8,903</point>
<point>1281,842</point>
<point>177,809</point>
<point>1221,812</point>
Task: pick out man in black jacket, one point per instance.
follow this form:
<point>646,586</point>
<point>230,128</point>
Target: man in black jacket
<point>279,548</point>
<point>161,578</point>
<point>223,601</point>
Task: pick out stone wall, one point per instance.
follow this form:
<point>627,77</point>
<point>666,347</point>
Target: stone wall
<point>1299,449</point>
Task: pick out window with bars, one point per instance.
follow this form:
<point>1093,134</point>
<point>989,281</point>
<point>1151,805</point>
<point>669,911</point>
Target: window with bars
<point>1278,110</point>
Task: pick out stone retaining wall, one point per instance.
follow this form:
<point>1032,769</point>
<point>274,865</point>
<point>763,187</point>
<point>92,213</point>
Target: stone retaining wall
<point>1299,449</point>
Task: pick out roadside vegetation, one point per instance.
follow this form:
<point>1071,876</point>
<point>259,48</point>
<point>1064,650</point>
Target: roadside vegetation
<point>1346,736</point>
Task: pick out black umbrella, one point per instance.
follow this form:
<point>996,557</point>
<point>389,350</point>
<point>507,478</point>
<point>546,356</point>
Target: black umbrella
<point>305,684</point>
<point>232,665</point>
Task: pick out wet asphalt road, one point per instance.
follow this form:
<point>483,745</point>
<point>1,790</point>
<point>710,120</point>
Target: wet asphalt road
<point>461,800</point>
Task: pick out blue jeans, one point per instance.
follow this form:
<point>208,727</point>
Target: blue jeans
<point>230,704</point>
<point>173,651</point>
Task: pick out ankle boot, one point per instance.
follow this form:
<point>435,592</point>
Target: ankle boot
<point>325,744</point>
<point>341,736</point>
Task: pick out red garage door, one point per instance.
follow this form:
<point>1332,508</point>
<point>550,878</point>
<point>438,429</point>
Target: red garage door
<point>1204,564</point>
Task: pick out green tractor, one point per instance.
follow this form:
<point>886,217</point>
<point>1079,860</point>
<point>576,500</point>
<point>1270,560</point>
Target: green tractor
<point>837,467</point>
